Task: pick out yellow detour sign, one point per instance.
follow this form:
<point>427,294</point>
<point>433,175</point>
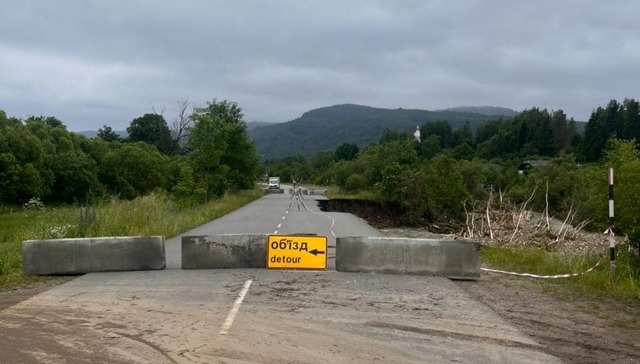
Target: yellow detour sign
<point>297,252</point>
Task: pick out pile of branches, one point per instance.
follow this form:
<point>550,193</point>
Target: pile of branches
<point>500,223</point>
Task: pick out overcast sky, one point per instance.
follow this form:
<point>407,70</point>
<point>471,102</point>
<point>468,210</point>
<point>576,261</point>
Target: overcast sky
<point>91,63</point>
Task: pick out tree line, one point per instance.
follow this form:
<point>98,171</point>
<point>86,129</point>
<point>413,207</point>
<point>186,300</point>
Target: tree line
<point>206,154</point>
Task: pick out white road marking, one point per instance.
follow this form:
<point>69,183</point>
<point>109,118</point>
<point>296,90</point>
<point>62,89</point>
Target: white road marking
<point>333,221</point>
<point>234,310</point>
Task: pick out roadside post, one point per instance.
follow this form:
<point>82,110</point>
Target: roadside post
<point>612,238</point>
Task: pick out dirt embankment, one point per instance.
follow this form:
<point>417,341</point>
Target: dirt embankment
<point>380,216</point>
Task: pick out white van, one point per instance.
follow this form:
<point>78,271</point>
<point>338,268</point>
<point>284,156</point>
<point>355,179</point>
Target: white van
<point>274,182</point>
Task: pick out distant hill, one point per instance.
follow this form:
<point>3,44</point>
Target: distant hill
<point>123,133</point>
<point>486,110</point>
<point>328,127</point>
<point>256,124</point>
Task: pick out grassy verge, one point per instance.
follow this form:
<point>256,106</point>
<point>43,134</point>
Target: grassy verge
<point>598,282</point>
<point>335,193</point>
<point>154,214</point>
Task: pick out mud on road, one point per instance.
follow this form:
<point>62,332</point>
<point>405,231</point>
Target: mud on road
<point>573,327</point>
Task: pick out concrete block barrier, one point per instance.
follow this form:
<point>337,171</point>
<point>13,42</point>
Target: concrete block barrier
<point>274,190</point>
<point>224,251</point>
<point>85,255</point>
<point>449,258</point>
<point>313,192</point>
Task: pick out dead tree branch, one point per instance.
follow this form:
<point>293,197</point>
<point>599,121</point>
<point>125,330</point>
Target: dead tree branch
<point>182,123</point>
<point>523,208</point>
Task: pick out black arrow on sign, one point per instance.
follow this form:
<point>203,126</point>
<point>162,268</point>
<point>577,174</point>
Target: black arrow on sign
<point>316,252</point>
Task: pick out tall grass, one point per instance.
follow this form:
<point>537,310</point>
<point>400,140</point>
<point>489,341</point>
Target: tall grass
<point>597,282</point>
<point>154,214</point>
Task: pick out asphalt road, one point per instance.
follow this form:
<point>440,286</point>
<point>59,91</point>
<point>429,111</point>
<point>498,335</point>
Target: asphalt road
<point>259,315</point>
<point>278,214</point>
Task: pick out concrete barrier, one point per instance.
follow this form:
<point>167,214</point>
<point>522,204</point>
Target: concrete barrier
<point>449,258</point>
<point>306,191</point>
<point>317,192</point>
<point>224,251</point>
<point>274,190</point>
<point>85,255</point>
<point>303,192</point>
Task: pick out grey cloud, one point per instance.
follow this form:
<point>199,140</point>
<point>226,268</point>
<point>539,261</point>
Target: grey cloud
<point>105,62</point>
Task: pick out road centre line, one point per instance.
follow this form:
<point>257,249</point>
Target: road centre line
<point>235,308</point>
<point>333,221</point>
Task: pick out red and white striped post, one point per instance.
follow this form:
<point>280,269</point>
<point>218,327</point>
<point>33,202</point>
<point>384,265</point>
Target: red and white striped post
<point>612,239</point>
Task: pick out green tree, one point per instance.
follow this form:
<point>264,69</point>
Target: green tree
<point>184,187</point>
<point>430,146</point>
<point>434,191</point>
<point>346,151</point>
<point>49,121</point>
<point>107,134</point>
<point>463,135</point>
<point>445,190</point>
<point>480,177</point>
<point>560,129</point>
<point>355,182</point>
<point>134,169</point>
<point>615,120</point>
<point>223,156</point>
<point>374,159</point>
<point>464,152</point>
<point>75,176</point>
<point>321,164</point>
<point>535,133</point>
<point>6,121</point>
<point>18,182</point>
<point>21,158</point>
<point>595,135</point>
<point>631,119</point>
<point>152,129</point>
<point>489,129</point>
<point>623,156</point>
<point>390,135</point>
<point>441,129</point>
<point>576,140</point>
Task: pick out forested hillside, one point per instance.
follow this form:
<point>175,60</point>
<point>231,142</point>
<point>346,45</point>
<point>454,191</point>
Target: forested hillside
<point>326,128</point>
<point>486,110</point>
